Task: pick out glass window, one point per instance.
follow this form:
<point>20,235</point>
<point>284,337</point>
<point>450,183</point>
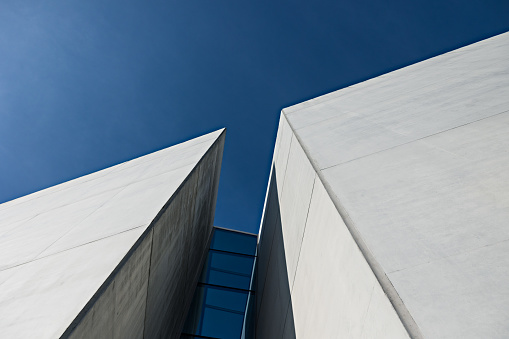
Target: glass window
<point>228,280</point>
<point>217,312</point>
<point>221,324</point>
<point>221,297</point>
<point>227,269</point>
<point>234,242</point>
<point>231,300</point>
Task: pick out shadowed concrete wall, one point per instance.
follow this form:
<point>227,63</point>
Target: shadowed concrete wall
<point>313,281</point>
<point>180,243</point>
<point>148,272</point>
<point>149,294</point>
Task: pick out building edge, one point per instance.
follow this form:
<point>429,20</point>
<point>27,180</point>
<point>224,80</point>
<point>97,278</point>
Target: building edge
<point>334,94</point>
<point>219,142</point>
<point>401,310</point>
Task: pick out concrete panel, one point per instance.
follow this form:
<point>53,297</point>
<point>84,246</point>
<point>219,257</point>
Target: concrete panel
<point>179,245</point>
<point>98,322</point>
<point>295,198</point>
<point>336,301</point>
<point>74,261</point>
<point>131,284</point>
<point>381,319</point>
<point>168,269</point>
<point>441,194</point>
<point>268,226</point>
<point>275,295</point>
<point>119,311</point>
<point>133,206</point>
<point>467,296</point>
<point>416,163</point>
<point>71,192</point>
<point>34,197</point>
<point>360,137</point>
<point>283,141</point>
<point>41,231</point>
<point>451,90</point>
<point>203,209</point>
<point>289,327</point>
<point>271,212</point>
<point>446,68</point>
<point>271,277</point>
<point>333,288</point>
<point>42,297</point>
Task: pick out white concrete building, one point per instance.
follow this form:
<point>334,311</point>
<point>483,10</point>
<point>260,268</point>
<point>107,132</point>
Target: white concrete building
<point>386,216</point>
<point>387,211</point>
<point>114,254</point>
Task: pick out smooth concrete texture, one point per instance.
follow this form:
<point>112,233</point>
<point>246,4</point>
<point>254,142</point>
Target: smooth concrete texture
<point>345,299</point>
<point>116,313</point>
<point>98,256</point>
<point>416,163</point>
<point>294,205</point>
<point>313,281</point>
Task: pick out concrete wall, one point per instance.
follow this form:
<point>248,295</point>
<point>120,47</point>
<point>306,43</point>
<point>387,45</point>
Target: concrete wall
<point>114,254</point>
<point>313,281</point>
<point>149,295</point>
<point>415,163</point>
<point>179,248</point>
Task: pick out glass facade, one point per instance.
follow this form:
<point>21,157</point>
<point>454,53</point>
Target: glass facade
<point>223,300</point>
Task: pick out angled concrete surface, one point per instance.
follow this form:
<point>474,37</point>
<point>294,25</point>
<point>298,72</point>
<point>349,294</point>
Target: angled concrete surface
<point>99,256</point>
<point>313,281</point>
<point>416,163</point>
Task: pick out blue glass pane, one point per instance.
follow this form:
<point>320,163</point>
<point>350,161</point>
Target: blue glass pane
<point>211,302</point>
<point>221,324</point>
<point>231,300</point>
<point>227,269</point>
<point>234,242</point>
<point>228,280</point>
<point>231,262</point>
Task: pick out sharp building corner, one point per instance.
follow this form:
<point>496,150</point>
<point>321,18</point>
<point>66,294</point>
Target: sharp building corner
<point>387,206</point>
<point>385,217</point>
<point>113,254</point>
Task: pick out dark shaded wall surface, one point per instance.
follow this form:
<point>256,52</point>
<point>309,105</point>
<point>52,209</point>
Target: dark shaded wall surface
<point>148,294</point>
<point>274,314</point>
<point>313,281</point>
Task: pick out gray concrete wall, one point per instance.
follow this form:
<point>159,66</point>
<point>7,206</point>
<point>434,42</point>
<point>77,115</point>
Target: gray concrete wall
<point>149,295</point>
<point>179,247</point>
<point>313,281</point>
<point>118,312</point>
<point>415,163</point>
<point>114,254</point>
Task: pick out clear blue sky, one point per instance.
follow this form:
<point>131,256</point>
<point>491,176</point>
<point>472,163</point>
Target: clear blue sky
<point>88,84</point>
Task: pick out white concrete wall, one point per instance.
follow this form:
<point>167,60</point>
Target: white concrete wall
<point>416,163</point>
<point>313,281</point>
<point>114,254</point>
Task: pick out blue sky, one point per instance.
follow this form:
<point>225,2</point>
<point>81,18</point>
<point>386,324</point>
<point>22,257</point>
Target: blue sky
<point>88,84</point>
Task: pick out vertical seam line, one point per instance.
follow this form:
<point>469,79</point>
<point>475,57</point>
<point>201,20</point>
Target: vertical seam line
<point>300,248</point>
<point>148,281</point>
